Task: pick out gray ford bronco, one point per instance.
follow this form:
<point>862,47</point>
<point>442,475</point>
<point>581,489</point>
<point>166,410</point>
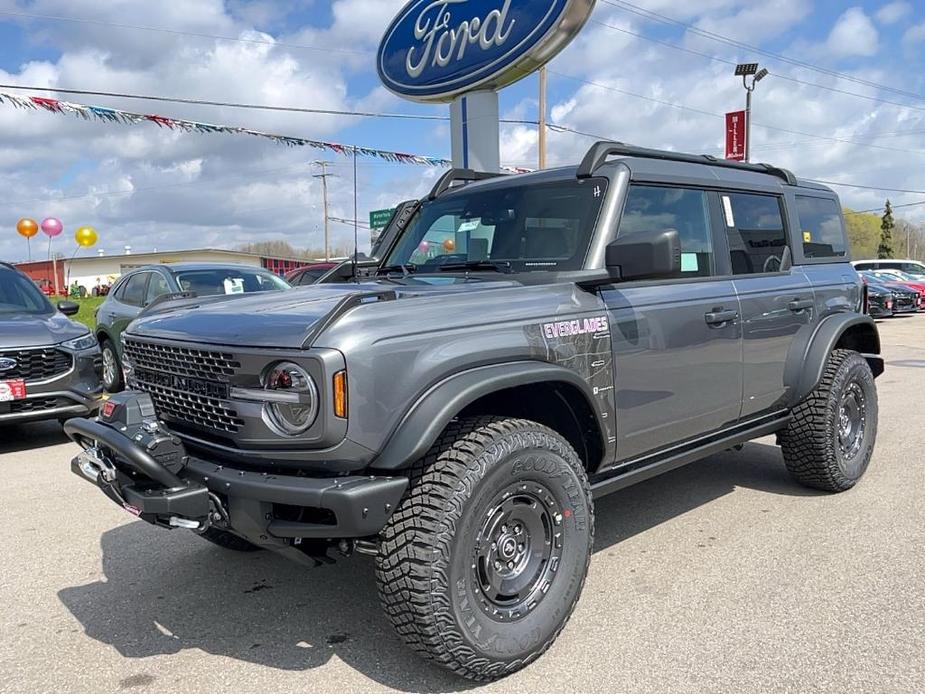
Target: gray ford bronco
<point>524,345</point>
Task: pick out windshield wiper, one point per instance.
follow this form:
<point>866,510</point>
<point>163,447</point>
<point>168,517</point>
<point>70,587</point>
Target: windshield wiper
<point>405,269</point>
<point>495,265</point>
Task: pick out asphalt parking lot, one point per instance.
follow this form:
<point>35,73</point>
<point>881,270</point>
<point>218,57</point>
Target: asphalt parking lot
<point>722,576</point>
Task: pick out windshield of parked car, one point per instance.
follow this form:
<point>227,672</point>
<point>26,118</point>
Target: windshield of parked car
<point>213,281</point>
<point>904,276</point>
<point>514,228</point>
<point>18,294</point>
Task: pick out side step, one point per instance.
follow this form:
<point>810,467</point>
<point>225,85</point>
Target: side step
<point>649,466</point>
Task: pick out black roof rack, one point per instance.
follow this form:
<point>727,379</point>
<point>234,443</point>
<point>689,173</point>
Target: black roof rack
<point>454,175</point>
<point>599,152</point>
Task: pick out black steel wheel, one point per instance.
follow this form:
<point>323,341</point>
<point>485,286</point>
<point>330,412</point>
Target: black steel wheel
<point>481,565</point>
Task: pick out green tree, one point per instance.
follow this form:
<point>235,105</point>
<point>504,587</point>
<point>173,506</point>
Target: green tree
<point>863,233</point>
<point>885,249</point>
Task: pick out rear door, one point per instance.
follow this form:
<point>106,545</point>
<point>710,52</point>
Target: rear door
<point>676,340</point>
<point>776,298</point>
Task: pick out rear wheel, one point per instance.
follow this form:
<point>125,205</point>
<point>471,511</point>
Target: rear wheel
<point>830,438</point>
<point>481,565</point>
<point>112,368</point>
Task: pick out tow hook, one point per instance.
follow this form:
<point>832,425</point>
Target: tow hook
<point>177,522</point>
<point>94,464</point>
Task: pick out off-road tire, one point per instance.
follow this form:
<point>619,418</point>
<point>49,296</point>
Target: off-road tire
<point>426,569</point>
<point>810,443</point>
<point>228,540</point>
<point>116,383</point>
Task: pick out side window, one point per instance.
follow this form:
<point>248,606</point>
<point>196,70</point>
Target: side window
<point>755,229</point>
<point>821,226</point>
<point>156,287</point>
<point>685,209</point>
<point>134,291</point>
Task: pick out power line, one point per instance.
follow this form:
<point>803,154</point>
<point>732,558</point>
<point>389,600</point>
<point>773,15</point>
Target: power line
<point>178,32</point>
<point>712,114</point>
<point>878,209</point>
<point>664,19</point>
<point>726,61</point>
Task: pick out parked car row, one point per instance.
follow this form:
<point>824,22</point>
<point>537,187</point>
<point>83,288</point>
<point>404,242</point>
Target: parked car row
<point>892,292</point>
<point>52,367</point>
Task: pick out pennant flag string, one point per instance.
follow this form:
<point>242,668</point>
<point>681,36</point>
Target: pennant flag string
<point>118,116</point>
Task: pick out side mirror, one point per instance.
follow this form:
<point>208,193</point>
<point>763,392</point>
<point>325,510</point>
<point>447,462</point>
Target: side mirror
<point>68,308</point>
<point>655,253</point>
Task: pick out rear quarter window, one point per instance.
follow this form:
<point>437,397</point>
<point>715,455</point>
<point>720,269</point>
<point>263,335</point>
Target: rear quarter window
<point>821,227</point>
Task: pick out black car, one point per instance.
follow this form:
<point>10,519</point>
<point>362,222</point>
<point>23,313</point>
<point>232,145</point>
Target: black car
<point>49,365</point>
<point>879,301</point>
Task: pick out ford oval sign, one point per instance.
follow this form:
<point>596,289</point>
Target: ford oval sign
<point>435,50</point>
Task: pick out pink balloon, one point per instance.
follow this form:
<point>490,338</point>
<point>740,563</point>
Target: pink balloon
<point>424,247</point>
<point>52,226</point>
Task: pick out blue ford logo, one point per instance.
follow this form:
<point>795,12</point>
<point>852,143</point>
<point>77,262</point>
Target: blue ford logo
<point>435,50</point>
<point>6,363</point>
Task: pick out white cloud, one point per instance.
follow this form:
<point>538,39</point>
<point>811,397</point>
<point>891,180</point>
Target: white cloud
<point>914,35</point>
<point>893,12</point>
<point>854,34</point>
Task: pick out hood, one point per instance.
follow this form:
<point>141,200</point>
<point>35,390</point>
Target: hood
<point>29,330</point>
<point>278,319</point>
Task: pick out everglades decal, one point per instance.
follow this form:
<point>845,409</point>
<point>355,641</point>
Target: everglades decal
<point>582,345</point>
<point>582,326</point>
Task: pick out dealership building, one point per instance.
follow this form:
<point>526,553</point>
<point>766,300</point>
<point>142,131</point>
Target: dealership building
<point>101,269</point>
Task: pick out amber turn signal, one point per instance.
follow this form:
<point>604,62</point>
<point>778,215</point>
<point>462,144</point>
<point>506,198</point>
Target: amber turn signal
<point>340,394</point>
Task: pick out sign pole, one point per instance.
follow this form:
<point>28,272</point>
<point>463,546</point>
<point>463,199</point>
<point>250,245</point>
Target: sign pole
<point>475,132</point>
<point>542,120</point>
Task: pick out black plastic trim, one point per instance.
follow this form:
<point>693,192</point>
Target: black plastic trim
<point>456,175</point>
<point>421,425</point>
<point>649,466</point>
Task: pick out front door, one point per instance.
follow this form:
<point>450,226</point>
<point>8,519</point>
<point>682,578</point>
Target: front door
<point>676,340</point>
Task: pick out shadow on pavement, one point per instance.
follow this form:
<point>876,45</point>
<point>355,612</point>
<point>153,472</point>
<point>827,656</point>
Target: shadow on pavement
<point>26,437</point>
<point>169,591</point>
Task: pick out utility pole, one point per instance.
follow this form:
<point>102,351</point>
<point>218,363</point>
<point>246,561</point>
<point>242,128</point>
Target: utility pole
<point>324,196</point>
<point>744,70</point>
<point>542,119</point>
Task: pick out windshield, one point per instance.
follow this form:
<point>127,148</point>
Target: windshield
<point>520,228</point>
<point>232,280</point>
<point>18,294</point>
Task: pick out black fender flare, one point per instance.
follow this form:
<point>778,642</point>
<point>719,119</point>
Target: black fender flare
<point>810,350</point>
<point>433,411</point>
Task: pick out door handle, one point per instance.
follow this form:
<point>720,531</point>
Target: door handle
<point>720,317</point>
<point>798,305</point>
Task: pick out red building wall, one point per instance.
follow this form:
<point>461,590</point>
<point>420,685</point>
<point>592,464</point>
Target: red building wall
<point>42,271</point>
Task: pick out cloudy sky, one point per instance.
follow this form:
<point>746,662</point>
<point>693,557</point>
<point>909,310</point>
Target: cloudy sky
<point>845,102</point>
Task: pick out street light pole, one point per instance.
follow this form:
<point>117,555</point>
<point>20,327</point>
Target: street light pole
<point>542,120</point>
<point>746,70</point>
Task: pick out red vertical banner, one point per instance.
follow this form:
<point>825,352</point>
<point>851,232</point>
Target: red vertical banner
<point>735,135</point>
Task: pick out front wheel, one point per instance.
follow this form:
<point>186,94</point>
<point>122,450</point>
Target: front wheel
<point>481,564</point>
<point>830,438</point>
<point>112,369</point>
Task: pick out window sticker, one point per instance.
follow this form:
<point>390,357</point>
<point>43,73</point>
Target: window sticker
<point>689,262</point>
<point>234,285</point>
<point>727,208</point>
<point>807,236</point>
<point>471,225</point>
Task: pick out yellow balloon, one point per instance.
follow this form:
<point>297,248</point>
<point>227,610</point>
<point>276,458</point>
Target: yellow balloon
<point>27,227</point>
<point>85,236</point>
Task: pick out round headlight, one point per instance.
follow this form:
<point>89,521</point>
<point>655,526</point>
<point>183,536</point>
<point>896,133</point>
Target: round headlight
<point>292,399</point>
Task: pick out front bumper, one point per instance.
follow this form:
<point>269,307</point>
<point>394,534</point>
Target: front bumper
<point>271,510</point>
<point>76,393</point>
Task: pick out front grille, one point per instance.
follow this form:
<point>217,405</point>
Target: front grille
<point>903,303</point>
<point>182,361</point>
<point>35,405</point>
<point>189,386</point>
<point>38,364</point>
